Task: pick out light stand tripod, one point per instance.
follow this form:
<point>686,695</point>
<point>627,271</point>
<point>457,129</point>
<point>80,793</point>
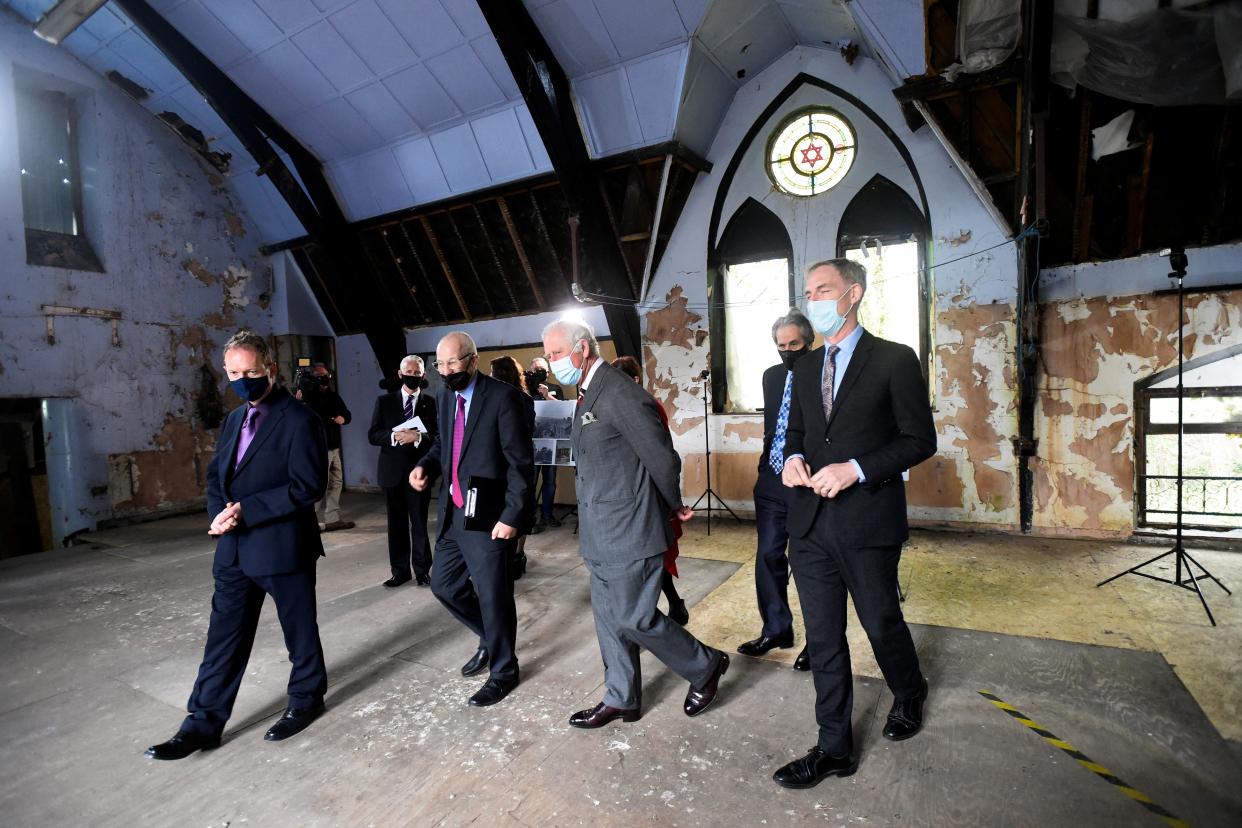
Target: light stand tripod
<point>1177,260</point>
<point>707,461</point>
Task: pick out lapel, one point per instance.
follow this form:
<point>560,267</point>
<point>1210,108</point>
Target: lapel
<point>588,399</point>
<point>265,429</point>
<point>473,411</point>
<point>816,369</point>
<point>228,440</point>
<point>858,361</point>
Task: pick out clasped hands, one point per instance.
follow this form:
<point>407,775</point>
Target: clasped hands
<point>829,481</point>
<point>228,520</point>
<point>406,436</point>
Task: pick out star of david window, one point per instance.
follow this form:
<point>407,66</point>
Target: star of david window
<point>811,152</point>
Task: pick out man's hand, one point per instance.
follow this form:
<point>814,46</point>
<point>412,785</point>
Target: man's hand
<point>796,473</point>
<point>833,479</point>
<point>683,514</point>
<point>419,479</point>
<point>503,531</point>
<point>297,395</point>
<point>338,419</point>
<point>406,436</point>
<point>545,392</point>
<point>227,520</point>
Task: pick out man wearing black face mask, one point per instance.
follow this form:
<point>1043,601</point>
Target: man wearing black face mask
<point>401,447</point>
<point>332,410</point>
<point>793,336</point>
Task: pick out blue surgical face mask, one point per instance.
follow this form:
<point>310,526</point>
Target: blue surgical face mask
<point>824,316</point>
<point>564,369</point>
<point>251,388</point>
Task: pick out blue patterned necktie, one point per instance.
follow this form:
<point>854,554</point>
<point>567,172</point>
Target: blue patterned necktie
<point>776,457</point>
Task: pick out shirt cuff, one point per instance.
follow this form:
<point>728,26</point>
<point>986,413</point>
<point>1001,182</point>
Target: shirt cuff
<point>392,438</point>
<point>862,478</point>
<point>792,456</point>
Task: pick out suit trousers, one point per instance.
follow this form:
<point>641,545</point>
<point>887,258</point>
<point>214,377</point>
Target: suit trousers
<point>330,507</point>
<point>771,560</point>
<point>627,618</point>
<point>824,572</point>
<point>235,609</point>
<point>471,579</point>
<point>407,530</point>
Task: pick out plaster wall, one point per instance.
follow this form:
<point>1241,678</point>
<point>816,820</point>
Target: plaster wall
<point>972,479</point>
<point>183,268</point>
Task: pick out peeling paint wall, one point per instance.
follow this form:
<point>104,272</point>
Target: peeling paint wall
<point>972,479</point>
<point>183,268</point>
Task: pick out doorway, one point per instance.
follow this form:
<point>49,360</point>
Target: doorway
<point>24,504</point>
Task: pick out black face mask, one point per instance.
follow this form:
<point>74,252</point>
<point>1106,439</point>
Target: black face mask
<point>458,380</point>
<point>791,356</point>
<point>539,375</point>
<point>414,383</point>
<point>322,382</point>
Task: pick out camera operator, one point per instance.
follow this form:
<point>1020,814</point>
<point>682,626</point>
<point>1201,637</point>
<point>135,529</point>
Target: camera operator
<point>539,388</point>
<point>314,389</point>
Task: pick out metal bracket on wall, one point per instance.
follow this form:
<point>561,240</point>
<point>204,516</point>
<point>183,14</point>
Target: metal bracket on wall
<point>53,311</point>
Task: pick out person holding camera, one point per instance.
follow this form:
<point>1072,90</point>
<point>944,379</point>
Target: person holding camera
<point>314,387</point>
<point>540,389</point>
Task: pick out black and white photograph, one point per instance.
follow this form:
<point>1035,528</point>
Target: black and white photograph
<point>545,450</point>
<point>564,453</point>
<point>554,419</point>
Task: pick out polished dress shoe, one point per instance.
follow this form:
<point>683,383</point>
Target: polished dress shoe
<point>492,691</point>
<point>422,580</point>
<point>803,661</point>
<point>477,663</point>
<point>906,717</point>
<point>396,582</point>
<point>601,714</point>
<point>677,613</point>
<point>764,643</point>
<point>295,720</point>
<point>699,698</point>
<point>813,768</point>
<point>182,745</point>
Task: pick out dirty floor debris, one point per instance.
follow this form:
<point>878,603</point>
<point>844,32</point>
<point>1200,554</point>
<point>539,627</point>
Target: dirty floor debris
<point>100,644</point>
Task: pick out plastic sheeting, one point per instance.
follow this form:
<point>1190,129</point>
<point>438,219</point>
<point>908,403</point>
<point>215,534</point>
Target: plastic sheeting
<point>1166,57</point>
<point>987,34</point>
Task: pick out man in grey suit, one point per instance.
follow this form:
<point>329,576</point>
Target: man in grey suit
<point>629,486</point>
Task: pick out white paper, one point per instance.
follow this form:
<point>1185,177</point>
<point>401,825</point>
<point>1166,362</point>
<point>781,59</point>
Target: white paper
<point>414,423</point>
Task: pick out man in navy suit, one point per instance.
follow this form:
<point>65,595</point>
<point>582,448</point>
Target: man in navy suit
<point>483,434</point>
<point>859,417</point>
<point>269,470</point>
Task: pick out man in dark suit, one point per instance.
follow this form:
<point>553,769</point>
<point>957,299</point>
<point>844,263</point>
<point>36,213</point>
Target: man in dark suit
<point>269,469</point>
<point>628,479</point>
<point>485,435</point>
<point>400,451</point>
<point>537,381</point>
<point>793,337</point>
<point>860,417</point>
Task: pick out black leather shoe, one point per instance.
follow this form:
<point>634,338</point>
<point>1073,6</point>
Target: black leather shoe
<point>803,661</point>
<point>492,691</point>
<point>537,528</point>
<point>182,745</point>
<point>477,663</point>
<point>554,523</point>
<point>295,720</point>
<point>764,643</point>
<point>422,580</point>
<point>677,613</point>
<point>699,698</point>
<point>906,717</point>
<point>601,714</point>
<point>813,768</point>
<point>396,582</point>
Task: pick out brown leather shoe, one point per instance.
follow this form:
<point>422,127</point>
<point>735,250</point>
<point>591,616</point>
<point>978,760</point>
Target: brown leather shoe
<point>699,698</point>
<point>601,714</point>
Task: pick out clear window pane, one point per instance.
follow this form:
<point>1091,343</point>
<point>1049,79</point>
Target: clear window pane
<point>1196,410</point>
<point>755,295</point>
<point>45,150</point>
<point>890,308</point>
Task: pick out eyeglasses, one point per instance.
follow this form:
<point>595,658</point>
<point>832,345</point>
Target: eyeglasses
<point>454,363</point>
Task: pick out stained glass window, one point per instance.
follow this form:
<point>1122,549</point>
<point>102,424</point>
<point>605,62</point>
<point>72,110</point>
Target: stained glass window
<point>811,152</point>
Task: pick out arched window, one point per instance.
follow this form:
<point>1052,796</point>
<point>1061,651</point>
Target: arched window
<point>884,231</point>
<point>752,285</point>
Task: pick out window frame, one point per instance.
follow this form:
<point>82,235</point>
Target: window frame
<point>790,120</point>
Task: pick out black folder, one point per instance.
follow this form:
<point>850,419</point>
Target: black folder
<point>484,503</point>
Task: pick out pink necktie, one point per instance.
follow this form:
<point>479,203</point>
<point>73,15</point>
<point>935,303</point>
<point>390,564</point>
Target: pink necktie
<point>459,432</point>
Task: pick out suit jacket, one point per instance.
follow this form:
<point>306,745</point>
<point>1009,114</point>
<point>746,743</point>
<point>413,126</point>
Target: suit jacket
<point>881,418</point>
<point>773,390</point>
<point>497,444</point>
<point>396,462</point>
<point>628,474</point>
<point>279,480</point>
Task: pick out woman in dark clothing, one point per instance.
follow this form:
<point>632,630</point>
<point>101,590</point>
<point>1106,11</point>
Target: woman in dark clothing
<point>676,607</point>
<point>507,369</point>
